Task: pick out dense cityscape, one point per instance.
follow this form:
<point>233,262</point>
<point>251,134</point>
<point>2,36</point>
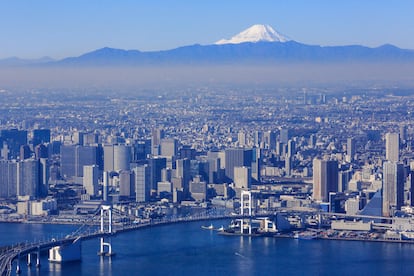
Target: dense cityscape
<point>147,153</point>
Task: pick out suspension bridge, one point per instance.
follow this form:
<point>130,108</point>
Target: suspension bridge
<point>105,223</point>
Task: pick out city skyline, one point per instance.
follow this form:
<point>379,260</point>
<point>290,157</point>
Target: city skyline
<point>58,30</point>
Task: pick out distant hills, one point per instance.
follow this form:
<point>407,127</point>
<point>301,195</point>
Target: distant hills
<point>259,44</point>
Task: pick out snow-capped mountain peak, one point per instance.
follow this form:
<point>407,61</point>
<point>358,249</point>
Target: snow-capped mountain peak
<point>256,33</point>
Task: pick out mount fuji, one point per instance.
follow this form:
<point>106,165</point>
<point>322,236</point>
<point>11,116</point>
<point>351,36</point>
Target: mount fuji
<point>256,33</point>
<point>258,45</point>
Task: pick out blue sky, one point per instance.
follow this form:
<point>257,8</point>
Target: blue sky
<point>61,28</point>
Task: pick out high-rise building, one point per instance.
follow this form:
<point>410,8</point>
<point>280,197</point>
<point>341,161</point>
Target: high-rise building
<point>291,148</point>
<point>169,147</point>
<point>325,178</point>
<point>284,135</point>
<point>198,189</point>
<point>90,179</point>
<point>25,152</point>
<point>242,177</point>
<point>237,158</point>
<point>350,149</point>
<point>392,188</point>
<point>73,158</point>
<point>40,136</point>
<point>127,184</point>
<point>392,147</point>
<point>8,178</point>
<point>183,172</point>
<point>241,138</point>
<point>142,183</point>
<point>156,164</point>
<point>28,178</point>
<point>13,138</point>
<point>269,139</point>
<point>117,157</point>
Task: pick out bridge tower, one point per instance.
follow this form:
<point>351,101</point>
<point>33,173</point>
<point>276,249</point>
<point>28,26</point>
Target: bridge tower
<point>106,230</point>
<point>246,210</point>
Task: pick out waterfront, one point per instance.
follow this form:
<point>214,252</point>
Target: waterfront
<point>186,249</point>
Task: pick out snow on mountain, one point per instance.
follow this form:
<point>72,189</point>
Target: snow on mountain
<point>256,33</point>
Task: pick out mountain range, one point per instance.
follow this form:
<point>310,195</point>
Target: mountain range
<point>259,44</point>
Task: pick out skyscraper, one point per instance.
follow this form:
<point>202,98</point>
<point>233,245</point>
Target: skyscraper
<point>8,179</point>
<point>169,147</point>
<point>392,188</point>
<point>392,147</point>
<point>156,165</point>
<point>325,178</point>
<point>242,177</point>
<point>73,158</point>
<point>90,179</point>
<point>28,178</point>
<point>40,136</point>
<point>142,183</point>
<point>117,157</point>
<point>350,149</point>
<point>237,158</point>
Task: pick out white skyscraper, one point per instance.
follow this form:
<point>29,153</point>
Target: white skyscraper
<point>90,179</point>
<point>117,157</point>
<point>392,147</point>
<point>242,177</point>
<point>392,188</point>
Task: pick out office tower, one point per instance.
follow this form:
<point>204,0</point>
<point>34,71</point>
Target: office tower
<point>156,136</point>
<point>269,139</point>
<point>41,151</point>
<point>25,152</point>
<point>237,158</point>
<point>242,177</point>
<point>169,147</point>
<point>156,164</point>
<point>8,179</point>
<point>284,135</point>
<point>343,179</point>
<point>67,161</point>
<point>256,165</point>
<point>40,136</point>
<point>183,172</point>
<point>214,170</point>
<point>142,183</point>
<point>312,141</point>
<point>392,188</point>
<point>44,169</point>
<point>28,178</point>
<point>126,184</point>
<point>73,158</point>
<point>291,148</point>
<point>392,147</point>
<point>258,136</point>
<point>187,152</point>
<point>105,186</point>
<point>90,179</point>
<point>140,150</point>
<point>198,189</point>
<point>288,165</point>
<point>78,138</point>
<point>325,178</point>
<point>13,138</point>
<point>350,149</point>
<point>241,138</point>
<point>117,157</point>
<point>403,133</point>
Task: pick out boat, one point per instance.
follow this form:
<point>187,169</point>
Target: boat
<point>210,227</point>
<point>306,236</point>
<point>221,229</point>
